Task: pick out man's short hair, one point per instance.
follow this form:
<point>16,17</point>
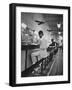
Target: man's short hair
<point>52,39</point>
<point>40,32</point>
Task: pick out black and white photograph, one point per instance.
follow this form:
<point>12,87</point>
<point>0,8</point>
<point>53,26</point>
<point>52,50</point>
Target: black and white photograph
<point>40,44</point>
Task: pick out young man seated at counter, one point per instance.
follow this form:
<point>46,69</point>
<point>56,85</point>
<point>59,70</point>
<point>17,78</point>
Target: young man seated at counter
<point>53,44</point>
<point>42,51</point>
<point>53,47</point>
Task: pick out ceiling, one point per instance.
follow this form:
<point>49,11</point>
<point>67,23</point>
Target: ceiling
<point>50,20</point>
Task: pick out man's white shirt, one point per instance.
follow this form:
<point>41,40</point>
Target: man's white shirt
<point>43,47</point>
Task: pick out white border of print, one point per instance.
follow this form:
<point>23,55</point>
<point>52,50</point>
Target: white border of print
<point>64,77</point>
